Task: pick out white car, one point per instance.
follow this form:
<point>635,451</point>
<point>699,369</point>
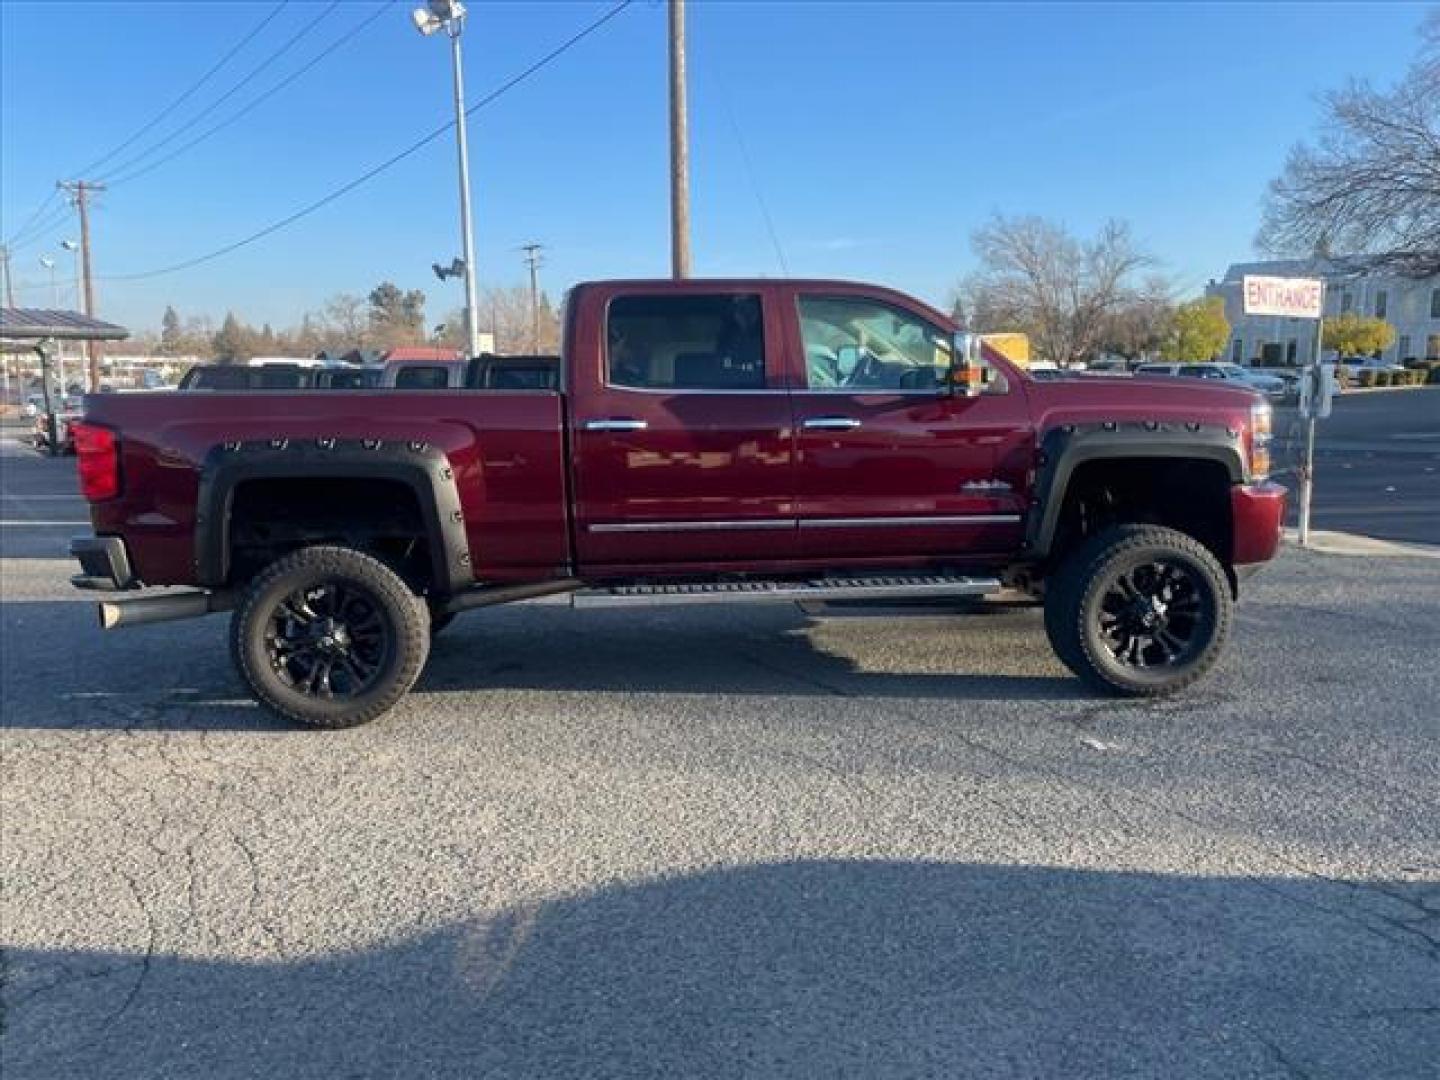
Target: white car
<point>1357,364</point>
<point>1271,386</point>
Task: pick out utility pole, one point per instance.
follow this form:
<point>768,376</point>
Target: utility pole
<point>532,259</point>
<point>9,281</point>
<point>80,192</point>
<point>679,147</point>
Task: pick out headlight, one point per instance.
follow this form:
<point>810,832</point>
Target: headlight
<point>1260,440</point>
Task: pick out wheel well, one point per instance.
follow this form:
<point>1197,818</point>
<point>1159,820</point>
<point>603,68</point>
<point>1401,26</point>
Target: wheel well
<point>1190,495</point>
<point>273,516</point>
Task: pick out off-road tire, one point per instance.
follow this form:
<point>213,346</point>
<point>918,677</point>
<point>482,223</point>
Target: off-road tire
<point>1086,585</point>
<point>404,617</point>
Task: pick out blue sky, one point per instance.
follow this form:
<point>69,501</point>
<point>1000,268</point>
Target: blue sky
<point>879,135</point>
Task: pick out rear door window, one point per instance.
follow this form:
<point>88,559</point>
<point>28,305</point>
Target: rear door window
<point>701,342</point>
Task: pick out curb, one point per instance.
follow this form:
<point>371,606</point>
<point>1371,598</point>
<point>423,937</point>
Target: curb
<point>1340,543</point>
<point>1383,389</point>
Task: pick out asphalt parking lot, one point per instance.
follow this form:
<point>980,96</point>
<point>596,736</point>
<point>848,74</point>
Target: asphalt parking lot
<point>729,843</point>
<point>1377,464</point>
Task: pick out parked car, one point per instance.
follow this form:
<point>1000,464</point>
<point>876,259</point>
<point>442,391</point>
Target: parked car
<point>1111,367</point>
<point>1357,364</point>
<point>64,442</point>
<point>431,374</point>
<point>707,441</point>
<point>1272,386</point>
<point>281,376</point>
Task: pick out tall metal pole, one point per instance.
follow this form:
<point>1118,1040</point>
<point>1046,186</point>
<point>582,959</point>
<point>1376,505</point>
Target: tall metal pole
<point>49,264</point>
<point>1307,467</point>
<point>472,302</point>
<point>80,191</point>
<point>532,258</point>
<point>9,280</point>
<point>679,147</point>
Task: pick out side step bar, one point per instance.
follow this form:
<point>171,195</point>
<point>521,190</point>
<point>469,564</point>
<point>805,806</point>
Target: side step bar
<point>890,587</point>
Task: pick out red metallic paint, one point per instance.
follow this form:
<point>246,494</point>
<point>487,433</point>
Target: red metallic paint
<point>523,463</point>
<point>913,455</point>
<point>1257,512</point>
<point>511,480</point>
<point>712,458</point>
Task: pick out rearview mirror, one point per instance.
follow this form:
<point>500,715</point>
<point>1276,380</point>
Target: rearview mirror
<point>967,371</point>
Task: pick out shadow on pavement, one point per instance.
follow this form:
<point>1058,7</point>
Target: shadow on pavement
<point>60,671</point>
<point>835,968</point>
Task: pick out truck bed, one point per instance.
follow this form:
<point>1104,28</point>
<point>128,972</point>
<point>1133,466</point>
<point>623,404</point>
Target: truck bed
<point>506,449</point>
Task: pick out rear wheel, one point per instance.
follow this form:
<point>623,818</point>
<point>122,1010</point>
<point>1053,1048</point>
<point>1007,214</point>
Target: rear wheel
<point>1139,610</point>
<point>329,637</point>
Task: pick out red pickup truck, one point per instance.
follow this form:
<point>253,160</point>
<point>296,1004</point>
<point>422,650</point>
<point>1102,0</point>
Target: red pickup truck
<point>706,441</point>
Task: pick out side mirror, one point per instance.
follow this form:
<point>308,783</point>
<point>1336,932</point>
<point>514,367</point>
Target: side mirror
<point>967,371</point>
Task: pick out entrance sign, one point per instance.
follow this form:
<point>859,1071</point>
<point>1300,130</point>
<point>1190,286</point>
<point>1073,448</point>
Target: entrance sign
<point>1291,298</point>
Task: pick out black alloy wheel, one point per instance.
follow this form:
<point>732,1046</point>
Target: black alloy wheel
<point>1139,610</point>
<point>329,637</point>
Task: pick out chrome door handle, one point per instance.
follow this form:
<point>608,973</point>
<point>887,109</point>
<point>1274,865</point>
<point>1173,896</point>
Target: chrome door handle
<point>616,424</point>
<point>830,423</point>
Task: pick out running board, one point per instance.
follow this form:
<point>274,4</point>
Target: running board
<point>891,587</point>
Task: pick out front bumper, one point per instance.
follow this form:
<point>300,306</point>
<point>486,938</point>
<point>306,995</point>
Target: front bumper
<point>1257,514</point>
<point>104,564</point>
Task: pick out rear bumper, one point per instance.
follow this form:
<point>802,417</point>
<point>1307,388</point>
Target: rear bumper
<point>104,564</point>
<point>1257,512</point>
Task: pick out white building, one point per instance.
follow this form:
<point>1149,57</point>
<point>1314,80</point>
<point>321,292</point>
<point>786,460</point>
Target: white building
<point>1411,305</point>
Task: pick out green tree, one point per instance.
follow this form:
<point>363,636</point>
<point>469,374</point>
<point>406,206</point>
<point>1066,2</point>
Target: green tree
<point>397,317</point>
<point>234,342</point>
<point>1199,330</point>
<point>172,337</point>
<point>1357,335</point>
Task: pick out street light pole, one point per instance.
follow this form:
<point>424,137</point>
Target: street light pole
<point>49,264</point>
<point>449,15</point>
<point>472,303</point>
<point>679,147</point>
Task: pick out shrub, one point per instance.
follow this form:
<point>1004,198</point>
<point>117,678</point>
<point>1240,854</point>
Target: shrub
<point>1384,378</point>
<point>1434,379</point>
<point>1367,379</point>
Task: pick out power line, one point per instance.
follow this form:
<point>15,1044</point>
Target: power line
<point>256,102</point>
<point>188,93</point>
<point>245,81</point>
<point>38,231</point>
<point>166,111</point>
<point>395,159</point>
<point>750,173</point>
<point>25,226</point>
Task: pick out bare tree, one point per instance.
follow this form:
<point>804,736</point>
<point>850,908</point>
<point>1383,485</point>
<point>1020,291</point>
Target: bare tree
<point>347,321</point>
<point>1140,327</point>
<point>505,312</point>
<point>1037,278</point>
<point>1370,185</point>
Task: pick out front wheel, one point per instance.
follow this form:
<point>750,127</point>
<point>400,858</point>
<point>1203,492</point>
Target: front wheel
<point>1139,610</point>
<point>329,637</point>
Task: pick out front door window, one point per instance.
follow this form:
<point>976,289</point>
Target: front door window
<point>863,346</point>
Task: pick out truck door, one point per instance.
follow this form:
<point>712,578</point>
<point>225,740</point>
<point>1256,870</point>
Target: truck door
<point>681,438</point>
<point>890,463</point>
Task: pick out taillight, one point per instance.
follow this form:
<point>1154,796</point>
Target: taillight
<point>98,455</point>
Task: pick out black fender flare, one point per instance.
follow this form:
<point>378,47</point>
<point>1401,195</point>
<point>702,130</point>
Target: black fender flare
<point>418,465</point>
<point>1064,449</point>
